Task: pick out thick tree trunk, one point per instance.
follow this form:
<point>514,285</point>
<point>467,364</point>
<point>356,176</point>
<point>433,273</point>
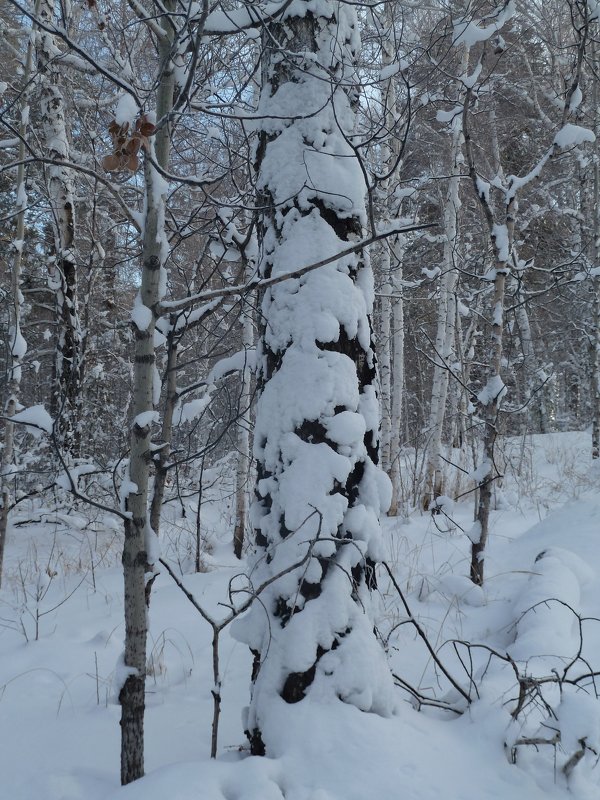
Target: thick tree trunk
<point>319,492</point>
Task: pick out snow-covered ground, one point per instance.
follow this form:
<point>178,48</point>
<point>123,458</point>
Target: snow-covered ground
<point>61,634</point>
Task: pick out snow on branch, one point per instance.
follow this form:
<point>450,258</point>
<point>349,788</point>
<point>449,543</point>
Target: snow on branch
<point>470,33</point>
<point>258,283</point>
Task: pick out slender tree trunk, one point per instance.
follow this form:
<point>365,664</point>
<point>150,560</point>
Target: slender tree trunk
<point>18,346</point>
<point>161,461</point>
<point>317,507</point>
<point>595,253</point>
<point>446,316</point>
<point>139,551</point>
<point>63,272</point>
<point>534,391</point>
<point>461,437</point>
<point>490,398</point>
<point>397,411</point>
<point>243,444</point>
<point>444,341</point>
<point>391,352</point>
<point>384,353</point>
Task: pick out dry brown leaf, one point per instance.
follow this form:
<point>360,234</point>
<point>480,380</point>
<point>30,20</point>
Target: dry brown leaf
<point>147,129</point>
<point>111,163</point>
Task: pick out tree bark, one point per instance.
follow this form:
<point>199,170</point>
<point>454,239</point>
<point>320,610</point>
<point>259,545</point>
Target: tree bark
<point>595,254</point>
<point>243,444</point>
<point>391,349</point>
<point>490,398</point>
<point>68,368</point>
<point>397,368</point>
<point>446,317</point>
<point>139,551</point>
<point>319,492</point>
<point>18,346</point>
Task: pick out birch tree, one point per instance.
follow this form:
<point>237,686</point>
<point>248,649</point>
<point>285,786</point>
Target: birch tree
<point>595,259</point>
<point>319,492</point>
<point>391,346</point>
<point>242,468</point>
<point>446,307</point>
<point>17,343</point>
<point>63,261</point>
<point>140,548</point>
<point>501,219</point>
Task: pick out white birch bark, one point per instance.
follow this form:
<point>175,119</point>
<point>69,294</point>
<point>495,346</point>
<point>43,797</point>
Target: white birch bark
<point>397,369</point>
<point>595,253</point>
<point>242,470</point>
<point>140,546</point>
<point>490,398</point>
<point>62,267</point>
<point>17,343</point>
<point>391,349</point>
<point>384,351</point>
<point>501,227</point>
<point>534,390</point>
<point>446,317</point>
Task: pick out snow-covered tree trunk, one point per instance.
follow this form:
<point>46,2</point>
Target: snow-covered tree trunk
<point>67,397</point>
<point>391,346</point>
<point>242,467</point>
<point>446,322</point>
<point>139,550</point>
<point>490,398</point>
<point>596,362</point>
<point>595,254</point>
<point>397,370</point>
<point>319,491</point>
<point>384,351</point>
<point>166,435</point>
<point>533,374</point>
<point>17,343</point>
<point>461,435</point>
<point>446,314</point>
